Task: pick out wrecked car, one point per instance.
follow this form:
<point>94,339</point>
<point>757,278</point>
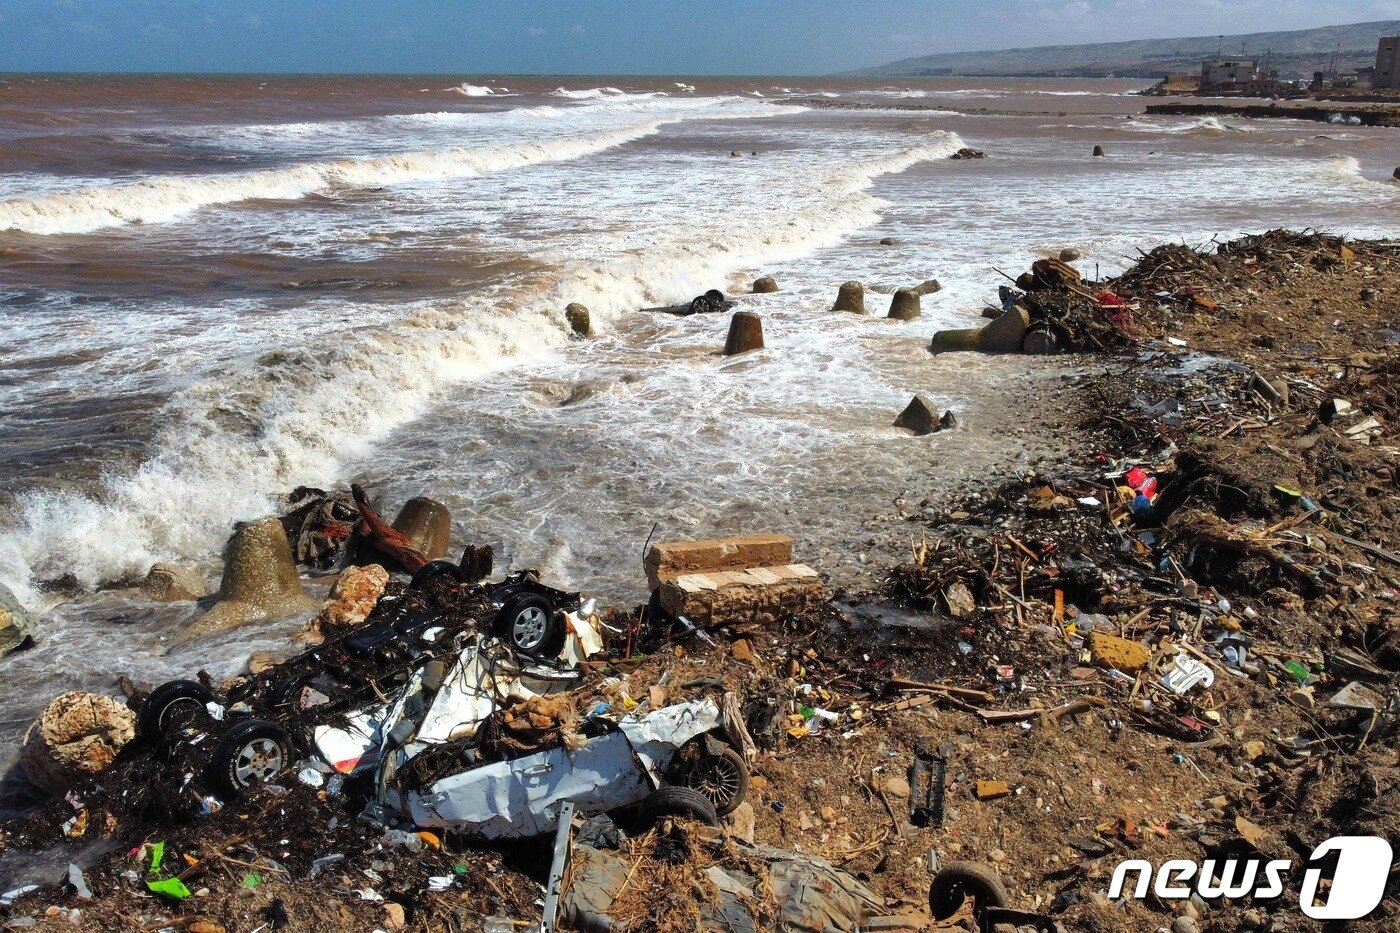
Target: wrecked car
<point>671,761</point>
<point>335,703</point>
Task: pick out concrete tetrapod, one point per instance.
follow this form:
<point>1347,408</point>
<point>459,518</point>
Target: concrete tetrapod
<point>427,524</point>
<point>260,582</point>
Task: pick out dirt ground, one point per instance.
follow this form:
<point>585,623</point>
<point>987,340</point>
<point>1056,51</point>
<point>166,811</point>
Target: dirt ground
<point>1272,529</point>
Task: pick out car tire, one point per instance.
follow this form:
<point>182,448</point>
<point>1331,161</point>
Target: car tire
<point>435,570</point>
<point>253,752</point>
<point>722,778</point>
<point>957,881</point>
<point>529,624</point>
<point>155,712</point>
<point>677,801</point>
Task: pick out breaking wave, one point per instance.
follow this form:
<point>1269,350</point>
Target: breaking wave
<point>161,200</point>
<point>605,93</point>
<point>302,415</point>
<point>478,90</point>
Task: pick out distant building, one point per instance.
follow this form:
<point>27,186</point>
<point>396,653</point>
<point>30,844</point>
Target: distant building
<point>1229,76</point>
<point>1387,72</point>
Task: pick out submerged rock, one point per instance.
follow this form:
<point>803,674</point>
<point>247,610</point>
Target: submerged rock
<point>765,285</point>
<point>77,735</point>
<point>16,625</point>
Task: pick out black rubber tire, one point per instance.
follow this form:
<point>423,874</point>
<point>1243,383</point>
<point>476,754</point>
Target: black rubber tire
<point>434,570</point>
<point>229,764</point>
<point>150,722</point>
<point>957,881</point>
<point>547,638</point>
<point>727,770</point>
<point>676,801</point>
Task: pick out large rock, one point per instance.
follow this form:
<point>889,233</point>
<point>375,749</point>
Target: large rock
<point>929,287</point>
<point>76,736</point>
<point>260,582</point>
<point>669,559</point>
<point>173,583</point>
<point>745,333</point>
<point>904,306</point>
<point>850,297</point>
<point>427,524</point>
<point>765,285</point>
<point>16,624</point>
<point>351,601</point>
<point>761,595</point>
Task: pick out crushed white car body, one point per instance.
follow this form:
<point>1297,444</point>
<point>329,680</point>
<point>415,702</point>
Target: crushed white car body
<point>522,797</point>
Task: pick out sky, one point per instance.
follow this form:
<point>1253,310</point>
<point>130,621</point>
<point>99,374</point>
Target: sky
<point>689,37</point>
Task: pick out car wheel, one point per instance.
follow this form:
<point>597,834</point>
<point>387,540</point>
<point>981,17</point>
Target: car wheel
<point>959,880</point>
<point>435,570</point>
<point>181,695</point>
<point>677,801</point>
<point>531,626</point>
<point>723,778</point>
<point>253,752</point>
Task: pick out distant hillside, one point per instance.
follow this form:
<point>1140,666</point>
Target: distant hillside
<point>1294,54</point>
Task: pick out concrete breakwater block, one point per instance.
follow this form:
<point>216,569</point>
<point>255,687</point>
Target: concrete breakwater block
<point>904,306</point>
<point>745,333</point>
<point>1003,335</point>
<point>850,297</point>
<point>260,581</point>
<point>427,524</point>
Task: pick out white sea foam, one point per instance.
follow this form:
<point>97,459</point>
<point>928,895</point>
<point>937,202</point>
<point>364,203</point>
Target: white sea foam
<point>601,93</point>
<point>300,415</point>
<point>164,199</point>
<point>475,90</point>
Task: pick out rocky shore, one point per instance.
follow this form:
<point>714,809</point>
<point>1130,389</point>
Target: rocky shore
<point>1178,639</point>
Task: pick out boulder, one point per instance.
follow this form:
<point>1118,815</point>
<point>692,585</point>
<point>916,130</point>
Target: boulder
<point>427,524</point>
<point>1070,254</point>
<point>76,736</point>
<point>745,333</point>
<point>579,321</point>
<point>173,583</point>
<point>888,241</point>
<point>351,601</point>
<point>765,285</point>
<point>918,416</point>
<point>904,306</point>
<point>929,286</point>
<point>850,297</point>
<point>16,624</point>
<point>260,582</point>
<point>1396,176</point>
<point>967,152</point>
<point>1099,153</point>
